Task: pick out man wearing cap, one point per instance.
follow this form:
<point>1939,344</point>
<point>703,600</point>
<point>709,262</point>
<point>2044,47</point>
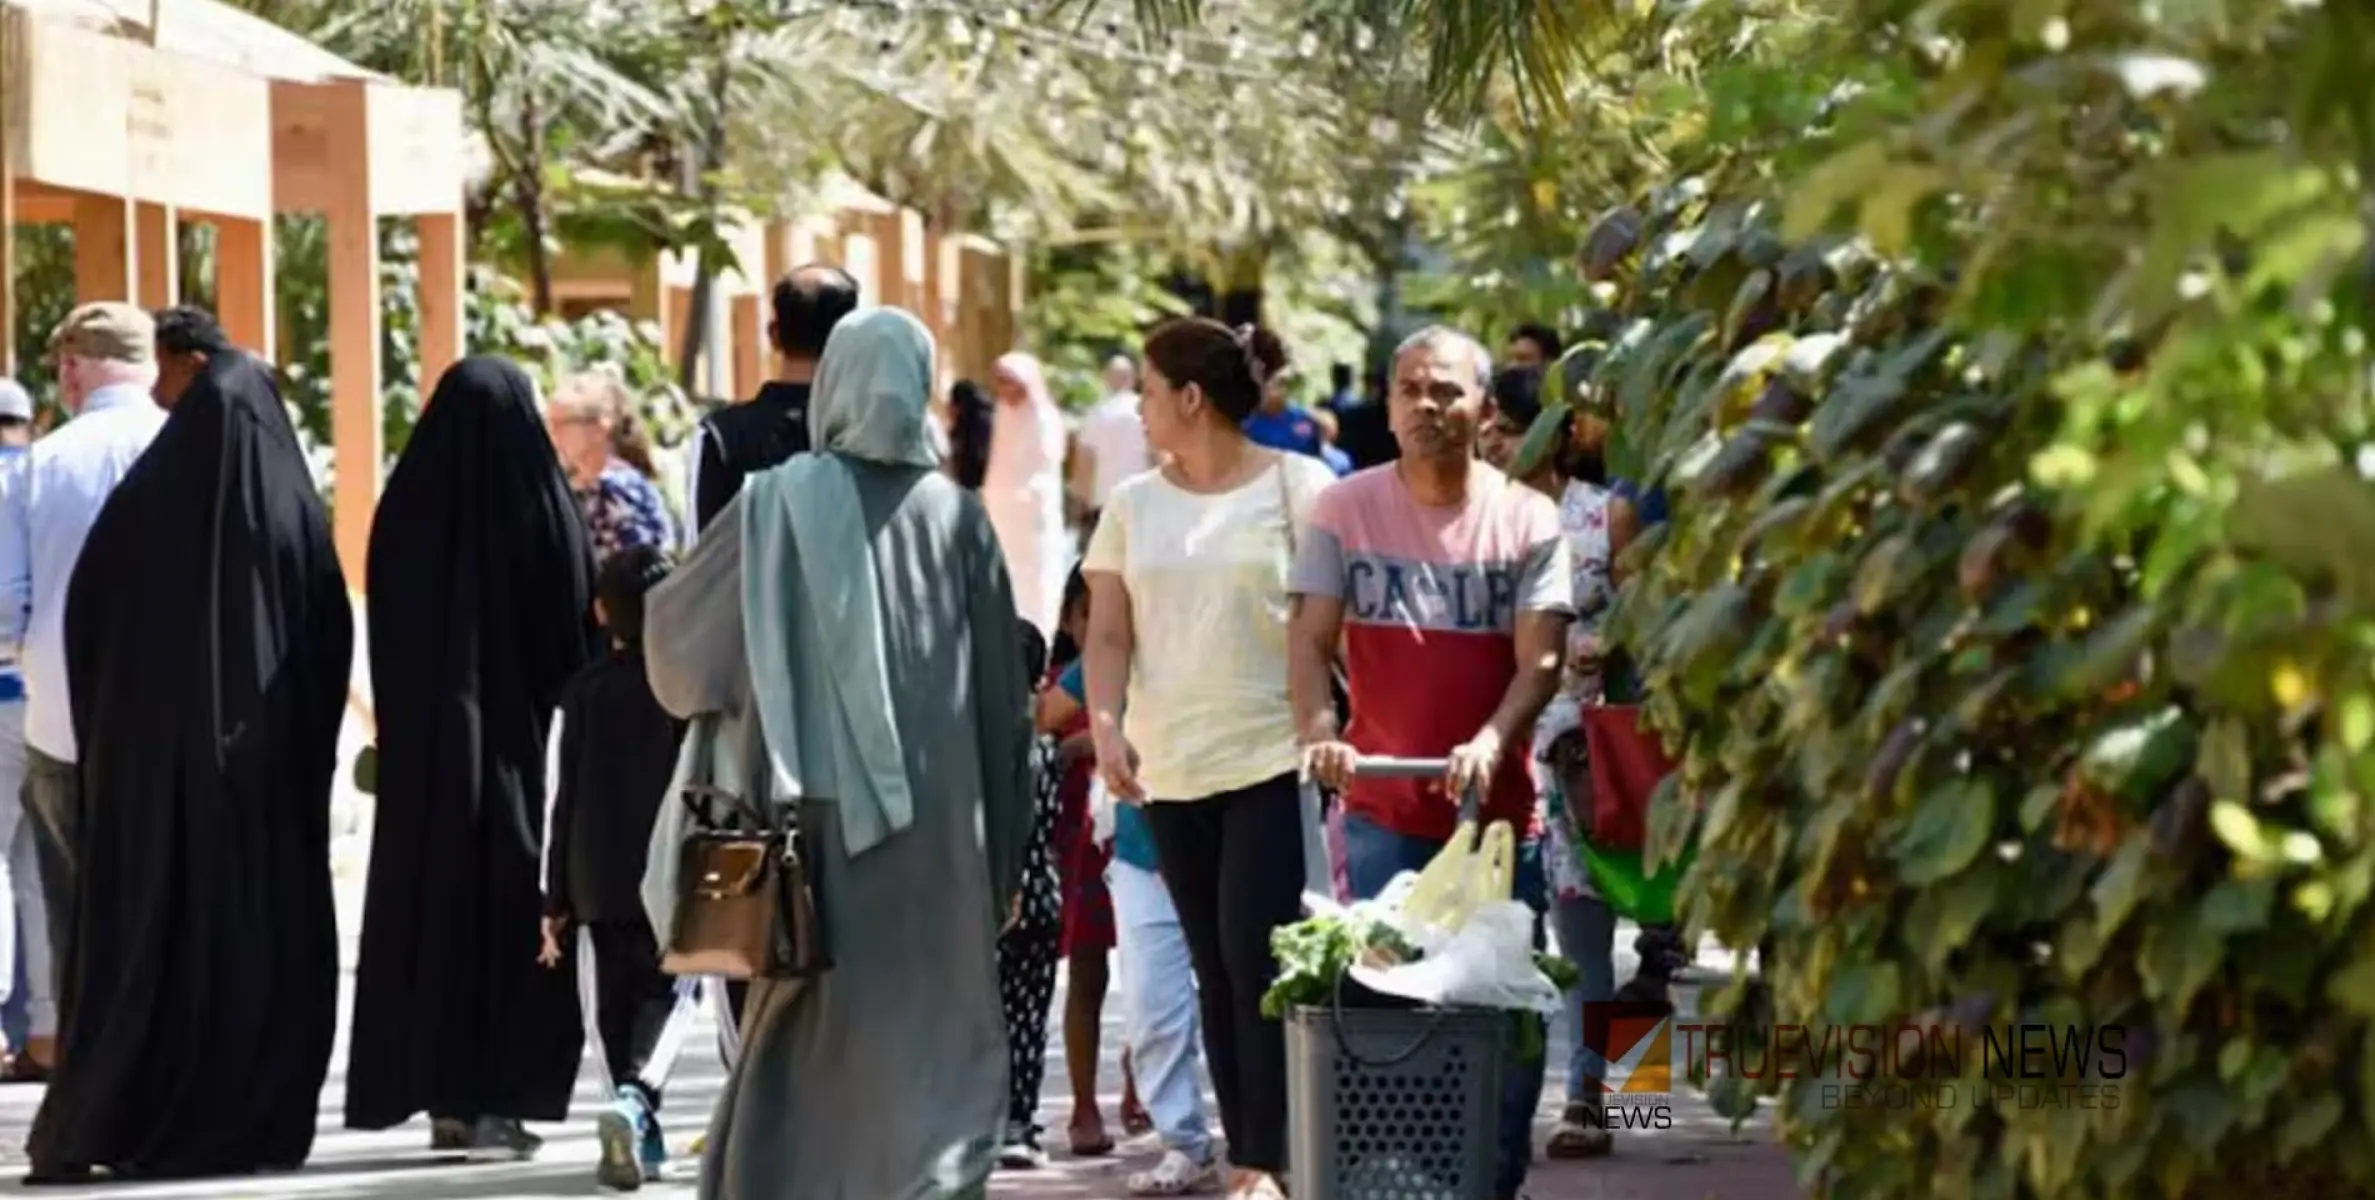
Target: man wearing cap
<point>29,1017</point>
<point>106,356</point>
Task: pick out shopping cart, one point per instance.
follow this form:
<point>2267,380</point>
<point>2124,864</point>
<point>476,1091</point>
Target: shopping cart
<point>1402,1102</point>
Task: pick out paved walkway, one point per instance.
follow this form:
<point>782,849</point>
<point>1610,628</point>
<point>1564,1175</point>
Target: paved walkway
<point>1699,1159</point>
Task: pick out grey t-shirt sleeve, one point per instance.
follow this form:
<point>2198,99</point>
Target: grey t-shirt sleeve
<point>1319,563</point>
<point>1546,581</point>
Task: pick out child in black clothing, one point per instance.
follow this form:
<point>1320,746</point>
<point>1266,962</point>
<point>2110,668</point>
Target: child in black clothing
<point>617,754</point>
<point>1029,946</point>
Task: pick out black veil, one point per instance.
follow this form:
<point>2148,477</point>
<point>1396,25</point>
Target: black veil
<point>209,636</point>
<point>479,585</point>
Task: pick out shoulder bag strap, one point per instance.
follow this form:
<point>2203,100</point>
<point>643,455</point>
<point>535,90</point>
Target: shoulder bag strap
<point>712,805</point>
<point>1286,509</point>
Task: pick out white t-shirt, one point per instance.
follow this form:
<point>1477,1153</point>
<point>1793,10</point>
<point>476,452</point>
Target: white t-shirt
<point>1112,433</point>
<point>1583,519</point>
<point>1207,576</point>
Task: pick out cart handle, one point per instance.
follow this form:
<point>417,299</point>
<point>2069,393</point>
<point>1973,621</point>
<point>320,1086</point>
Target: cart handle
<point>1378,766</point>
<point>1384,767</point>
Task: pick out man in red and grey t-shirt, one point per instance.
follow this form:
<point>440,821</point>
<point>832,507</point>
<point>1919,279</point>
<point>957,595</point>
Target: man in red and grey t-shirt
<point>1448,585</point>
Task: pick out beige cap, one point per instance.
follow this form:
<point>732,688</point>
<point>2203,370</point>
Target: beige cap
<point>108,331</point>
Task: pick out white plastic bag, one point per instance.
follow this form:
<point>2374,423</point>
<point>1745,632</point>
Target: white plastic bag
<point>1101,816</point>
<point>1488,962</point>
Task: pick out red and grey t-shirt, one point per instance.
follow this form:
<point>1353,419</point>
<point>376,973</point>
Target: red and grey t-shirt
<point>1431,597</point>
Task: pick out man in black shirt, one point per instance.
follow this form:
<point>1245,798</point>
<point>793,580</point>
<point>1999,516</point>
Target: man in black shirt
<point>1361,427</point>
<point>762,432</point>
<point>773,425</point>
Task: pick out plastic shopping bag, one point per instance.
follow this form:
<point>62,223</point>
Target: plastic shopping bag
<point>1628,889</point>
<point>1469,873</point>
<point>1488,962</point>
<point>1101,813</point>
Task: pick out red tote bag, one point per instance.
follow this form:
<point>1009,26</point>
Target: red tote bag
<point>1627,764</point>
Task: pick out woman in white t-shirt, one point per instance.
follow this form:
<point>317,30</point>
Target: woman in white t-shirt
<point>1187,576</point>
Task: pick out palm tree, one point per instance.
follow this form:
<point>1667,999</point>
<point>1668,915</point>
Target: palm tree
<point>1468,46</point>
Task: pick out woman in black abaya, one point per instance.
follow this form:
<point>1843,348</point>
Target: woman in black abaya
<point>479,587</point>
<point>209,634</point>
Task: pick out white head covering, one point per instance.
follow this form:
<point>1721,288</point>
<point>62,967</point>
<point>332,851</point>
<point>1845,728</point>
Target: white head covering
<point>873,392</point>
<point>1022,488</point>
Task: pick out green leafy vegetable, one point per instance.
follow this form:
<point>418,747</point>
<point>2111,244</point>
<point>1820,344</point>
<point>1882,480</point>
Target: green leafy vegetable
<point>1314,953</point>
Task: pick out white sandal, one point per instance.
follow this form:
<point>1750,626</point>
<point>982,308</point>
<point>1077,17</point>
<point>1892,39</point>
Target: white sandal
<point>1175,1175</point>
<point>1270,1187</point>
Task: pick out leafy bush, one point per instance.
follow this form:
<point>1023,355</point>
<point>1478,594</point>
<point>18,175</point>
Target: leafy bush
<point>496,320</point>
<point>2016,626</point>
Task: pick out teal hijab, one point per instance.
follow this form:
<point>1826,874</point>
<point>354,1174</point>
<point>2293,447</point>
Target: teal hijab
<point>811,607</point>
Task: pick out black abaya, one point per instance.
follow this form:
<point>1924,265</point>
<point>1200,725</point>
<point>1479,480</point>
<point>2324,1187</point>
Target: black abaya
<point>479,585</point>
<point>209,636</point>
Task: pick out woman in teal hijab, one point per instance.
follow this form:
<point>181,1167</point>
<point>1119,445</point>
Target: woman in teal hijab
<point>848,626</point>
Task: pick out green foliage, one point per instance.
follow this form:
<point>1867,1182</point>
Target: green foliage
<point>2015,627</point>
<point>497,320</point>
<point>44,295</point>
<point>1088,303</point>
<point>1672,99</point>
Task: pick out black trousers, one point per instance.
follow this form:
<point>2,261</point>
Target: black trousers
<point>632,1000</point>
<point>1234,865</point>
<point>1026,990</point>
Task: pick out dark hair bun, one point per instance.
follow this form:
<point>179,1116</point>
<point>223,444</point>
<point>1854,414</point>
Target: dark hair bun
<point>1229,365</point>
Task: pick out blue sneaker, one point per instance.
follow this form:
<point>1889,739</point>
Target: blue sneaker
<point>652,1150</point>
<point>621,1129</point>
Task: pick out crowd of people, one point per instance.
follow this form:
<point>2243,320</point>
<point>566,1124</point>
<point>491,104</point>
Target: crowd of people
<point>1006,747</point>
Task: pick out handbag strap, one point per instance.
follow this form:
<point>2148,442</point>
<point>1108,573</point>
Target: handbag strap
<point>701,772</point>
<point>701,788</point>
<point>1286,510</point>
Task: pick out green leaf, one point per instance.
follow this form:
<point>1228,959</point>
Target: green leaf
<point>1862,994</point>
<point>2241,831</point>
<point>2353,986</point>
<point>1942,919</point>
<point>1948,830</point>
<point>2354,722</point>
<point>2225,760</point>
<point>2239,905</point>
<point>1732,1097</point>
<point>2177,958</point>
<point>1847,176</point>
<point>2121,885</point>
<point>2232,1058</point>
<point>2204,1111</point>
<point>1889,201</point>
<point>2108,654</point>
<point>2319,523</point>
<point>2308,1125</point>
<point>2039,806</point>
